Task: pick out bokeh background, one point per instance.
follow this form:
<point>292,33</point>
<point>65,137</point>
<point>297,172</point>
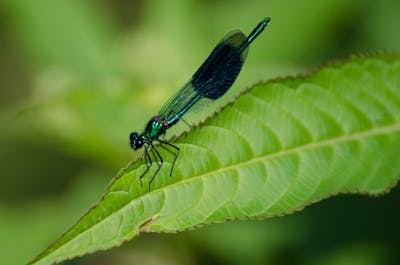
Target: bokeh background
<point>76,76</point>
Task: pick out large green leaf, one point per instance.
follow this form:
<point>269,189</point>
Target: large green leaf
<point>280,146</point>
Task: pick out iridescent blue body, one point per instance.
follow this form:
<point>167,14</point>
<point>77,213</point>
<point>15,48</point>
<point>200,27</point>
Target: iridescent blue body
<point>214,77</point>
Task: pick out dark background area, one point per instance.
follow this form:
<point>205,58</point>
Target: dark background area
<point>77,76</point>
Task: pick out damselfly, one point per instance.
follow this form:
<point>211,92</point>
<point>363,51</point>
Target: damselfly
<point>214,77</point>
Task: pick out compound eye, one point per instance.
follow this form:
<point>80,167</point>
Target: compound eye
<point>135,140</point>
<point>139,142</point>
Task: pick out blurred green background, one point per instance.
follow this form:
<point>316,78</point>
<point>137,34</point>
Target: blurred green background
<point>77,76</point>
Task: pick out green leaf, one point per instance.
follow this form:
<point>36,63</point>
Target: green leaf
<point>280,146</point>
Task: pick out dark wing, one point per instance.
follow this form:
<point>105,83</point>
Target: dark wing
<point>217,74</point>
<point>214,77</point>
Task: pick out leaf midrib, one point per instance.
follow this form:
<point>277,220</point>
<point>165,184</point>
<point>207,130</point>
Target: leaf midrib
<point>347,137</point>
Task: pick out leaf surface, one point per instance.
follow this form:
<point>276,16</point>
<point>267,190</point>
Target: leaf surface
<point>280,146</point>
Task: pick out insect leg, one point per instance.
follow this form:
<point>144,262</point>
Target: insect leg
<point>159,164</point>
<point>148,161</point>
<point>190,126</point>
<point>175,154</point>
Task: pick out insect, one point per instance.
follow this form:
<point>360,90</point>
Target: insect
<point>214,77</point>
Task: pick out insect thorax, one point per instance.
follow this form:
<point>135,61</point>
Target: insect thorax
<point>155,127</point>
